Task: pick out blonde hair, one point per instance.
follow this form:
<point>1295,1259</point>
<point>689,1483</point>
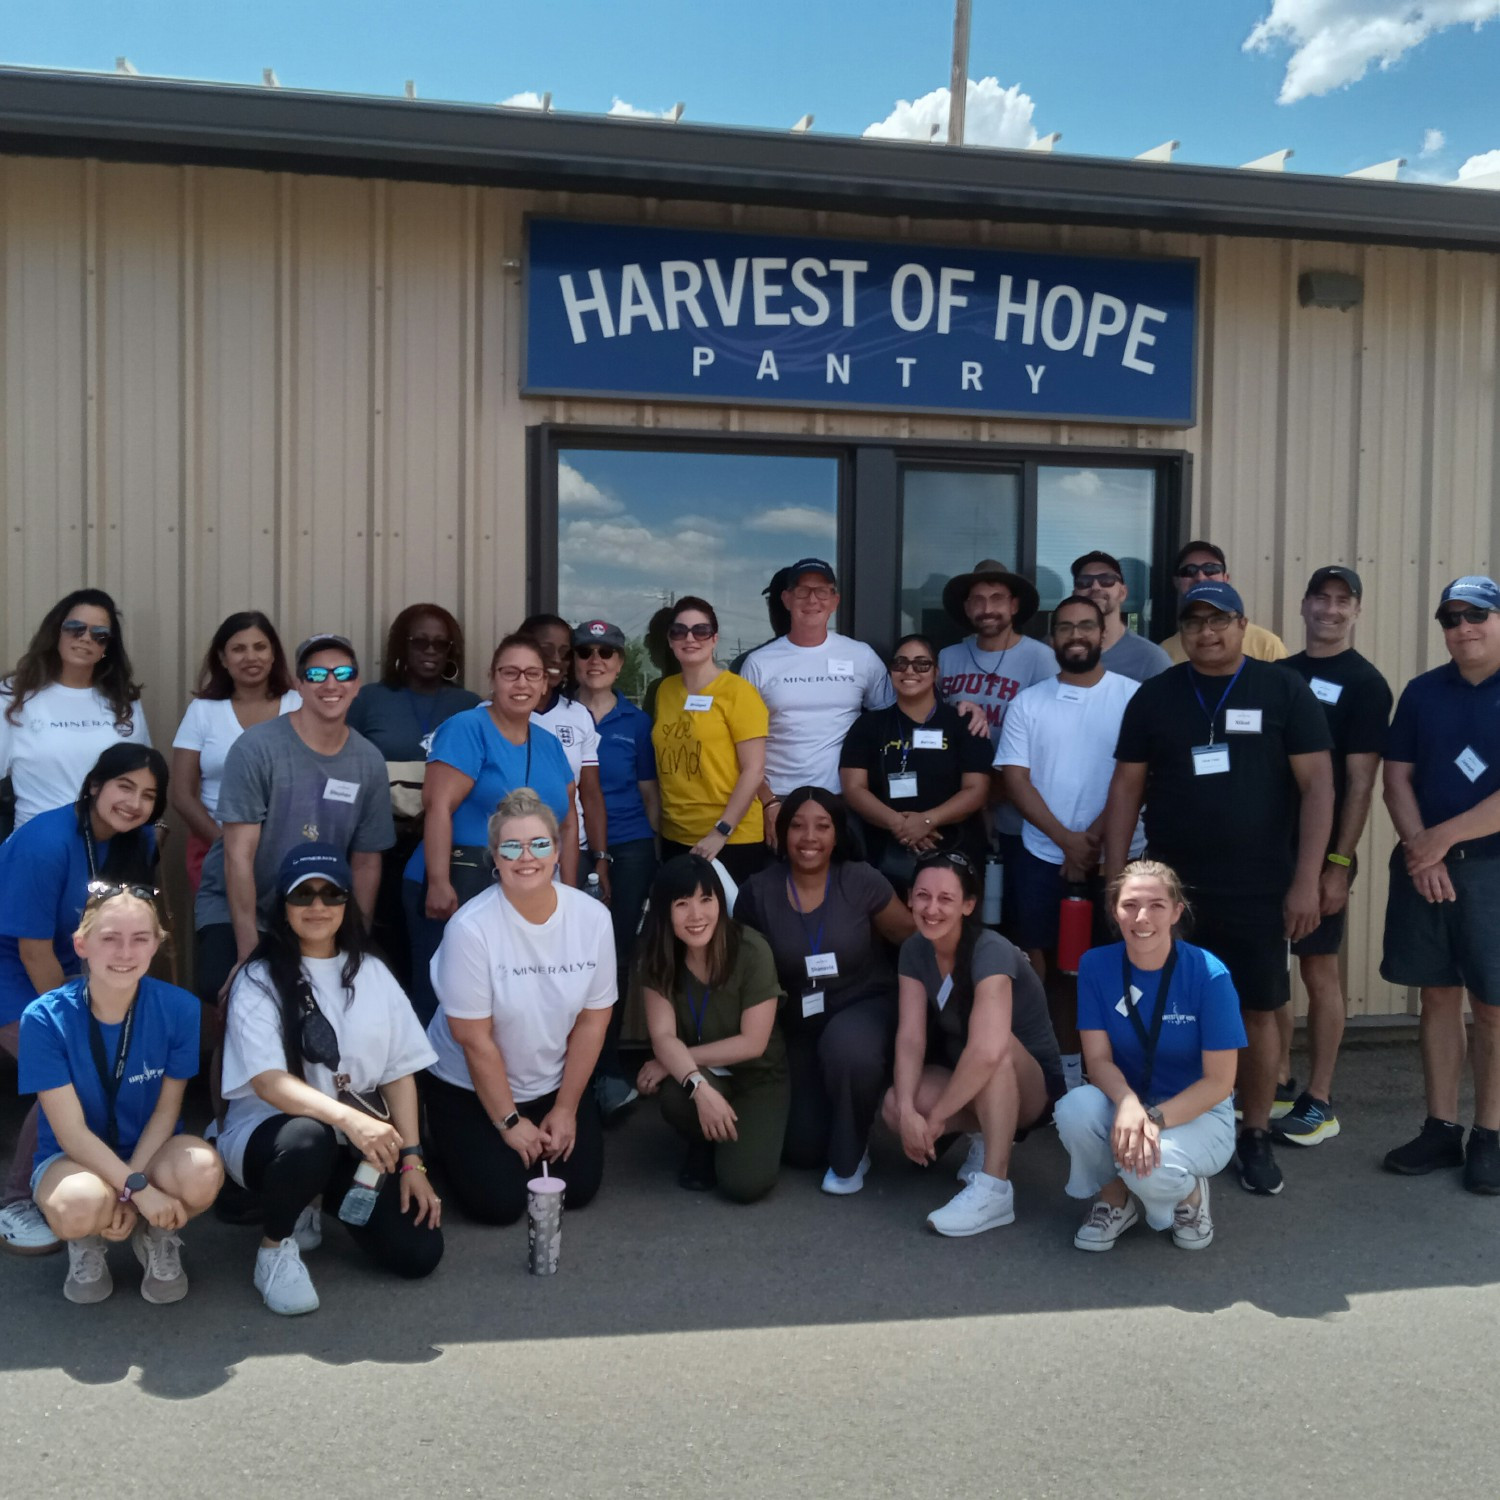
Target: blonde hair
<point>1146,869</point>
<point>93,909</point>
<point>521,803</point>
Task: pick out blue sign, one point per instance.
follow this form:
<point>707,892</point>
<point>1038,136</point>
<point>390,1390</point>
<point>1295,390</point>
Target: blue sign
<point>693,315</point>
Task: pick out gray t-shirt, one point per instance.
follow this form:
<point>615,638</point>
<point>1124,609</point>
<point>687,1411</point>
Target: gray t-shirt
<point>298,797</point>
<point>1135,657</point>
<point>1030,1023</point>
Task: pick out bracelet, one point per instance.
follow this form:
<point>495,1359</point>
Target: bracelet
<point>414,1166</point>
<point>1341,859</point>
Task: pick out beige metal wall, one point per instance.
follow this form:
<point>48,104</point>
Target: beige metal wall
<point>225,389</point>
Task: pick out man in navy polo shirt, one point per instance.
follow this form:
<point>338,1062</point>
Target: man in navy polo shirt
<point>1442,918</point>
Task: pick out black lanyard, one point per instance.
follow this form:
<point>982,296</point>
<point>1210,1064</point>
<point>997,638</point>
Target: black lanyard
<point>1148,1040</point>
<point>110,1081</point>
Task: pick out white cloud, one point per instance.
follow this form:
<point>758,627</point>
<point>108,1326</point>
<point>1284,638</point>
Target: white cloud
<point>619,107</point>
<point>799,520</point>
<point>528,100</point>
<point>629,546</point>
<point>1484,166</point>
<point>582,497</point>
<point>1433,141</point>
<point>1086,484</point>
<point>993,116</point>
<point>1334,42</point>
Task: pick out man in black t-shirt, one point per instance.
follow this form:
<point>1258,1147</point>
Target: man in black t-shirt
<point>1231,758</point>
<point>1356,701</point>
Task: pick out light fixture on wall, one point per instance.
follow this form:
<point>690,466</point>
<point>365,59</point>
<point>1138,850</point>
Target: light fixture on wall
<point>1338,289</point>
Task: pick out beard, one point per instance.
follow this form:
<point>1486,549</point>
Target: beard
<point>1071,659</point>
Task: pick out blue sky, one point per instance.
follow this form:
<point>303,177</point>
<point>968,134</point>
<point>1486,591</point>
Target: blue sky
<point>1113,76</point>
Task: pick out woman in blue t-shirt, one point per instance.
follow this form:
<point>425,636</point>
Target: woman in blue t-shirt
<point>1161,1030</point>
<point>109,1056</point>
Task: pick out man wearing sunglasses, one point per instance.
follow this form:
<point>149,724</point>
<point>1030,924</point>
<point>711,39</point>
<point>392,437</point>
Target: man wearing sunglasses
<point>1203,562</point>
<point>1098,576</point>
<point>305,778</point>
<point>1442,920</point>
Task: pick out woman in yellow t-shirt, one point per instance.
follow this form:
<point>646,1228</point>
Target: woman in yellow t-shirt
<point>710,740</point>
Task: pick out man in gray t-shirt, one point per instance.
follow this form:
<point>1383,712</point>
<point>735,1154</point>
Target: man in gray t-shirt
<point>1098,576</point>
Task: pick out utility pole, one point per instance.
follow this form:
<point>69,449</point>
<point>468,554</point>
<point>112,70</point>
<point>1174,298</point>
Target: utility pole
<point>958,83</point>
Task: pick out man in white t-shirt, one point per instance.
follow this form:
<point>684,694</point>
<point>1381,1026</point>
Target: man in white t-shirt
<point>1056,757</point>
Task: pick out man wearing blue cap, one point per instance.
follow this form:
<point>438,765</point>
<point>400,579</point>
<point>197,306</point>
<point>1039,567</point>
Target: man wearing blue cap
<point>1231,757</point>
<point>1442,919</point>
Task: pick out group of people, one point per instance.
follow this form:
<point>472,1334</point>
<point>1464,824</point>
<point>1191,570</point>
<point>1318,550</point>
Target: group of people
<point>419,914</point>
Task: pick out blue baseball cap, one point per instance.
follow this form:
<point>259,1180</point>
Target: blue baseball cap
<point>314,862</point>
<point>1221,595</point>
<point>1474,589</point>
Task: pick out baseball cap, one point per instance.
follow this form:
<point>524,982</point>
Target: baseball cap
<point>1221,595</point>
<point>313,862</point>
<point>1199,546</point>
<point>1476,589</point>
<point>810,565</point>
<point>1344,575</point>
<point>326,640</point>
<point>1080,563</point>
<point>599,633</point>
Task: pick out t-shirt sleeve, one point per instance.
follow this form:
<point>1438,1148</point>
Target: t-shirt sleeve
<point>590,742</point>
<point>751,671</point>
<point>245,792</point>
<point>857,752</point>
<point>975,752</point>
<point>1093,1001</point>
<point>747,906</point>
<point>183,1055</point>
<point>459,742</point>
<point>993,957</point>
<point>7,733</point>
<point>376,829</point>
<point>461,972</point>
<point>1401,739</point>
<point>253,1043</point>
<point>1370,717</point>
<point>747,716</point>
<point>140,729</point>
<point>645,752</point>
<point>33,871</point>
<point>603,988</point>
<point>359,711</point>
<point>193,731</point>
<point>44,1052</point>
<point>878,690</point>
<point>1220,1025</point>
<point>1306,724</point>
<point>1014,748</point>
<point>909,961</point>
<point>408,1050</point>
<point>760,981</point>
<point>1134,743</point>
<point>866,888</point>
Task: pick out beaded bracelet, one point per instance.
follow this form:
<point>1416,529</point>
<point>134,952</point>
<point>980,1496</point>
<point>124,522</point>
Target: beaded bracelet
<point>414,1166</point>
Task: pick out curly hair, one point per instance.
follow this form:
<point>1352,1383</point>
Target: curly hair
<point>393,667</point>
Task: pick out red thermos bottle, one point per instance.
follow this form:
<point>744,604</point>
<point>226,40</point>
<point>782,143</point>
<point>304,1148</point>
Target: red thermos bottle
<point>1075,925</point>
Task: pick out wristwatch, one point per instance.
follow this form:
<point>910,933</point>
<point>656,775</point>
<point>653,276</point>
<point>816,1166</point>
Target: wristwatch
<point>723,828</point>
<point>1154,1114</point>
<point>692,1083</point>
<point>509,1122</point>
<point>137,1182</point>
<point>603,857</point>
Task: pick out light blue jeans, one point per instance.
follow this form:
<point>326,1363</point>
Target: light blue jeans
<point>1200,1148</point>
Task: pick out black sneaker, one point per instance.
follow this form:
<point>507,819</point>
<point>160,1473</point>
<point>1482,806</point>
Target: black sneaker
<point>1482,1162</point>
<point>1309,1121</point>
<point>697,1172</point>
<point>1258,1170</point>
<point>1440,1144</point>
<point>1286,1099</point>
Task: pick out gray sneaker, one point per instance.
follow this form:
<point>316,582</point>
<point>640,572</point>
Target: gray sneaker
<point>1192,1227</point>
<point>88,1271</point>
<point>24,1230</point>
<point>160,1254</point>
<point>1104,1225</point>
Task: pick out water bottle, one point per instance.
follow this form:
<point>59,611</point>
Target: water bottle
<point>359,1201</point>
<point>1075,927</point>
<point>592,888</point>
<point>994,890</point>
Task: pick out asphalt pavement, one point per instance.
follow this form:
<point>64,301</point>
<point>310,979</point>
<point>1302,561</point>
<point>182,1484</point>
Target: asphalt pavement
<point>1340,1339</point>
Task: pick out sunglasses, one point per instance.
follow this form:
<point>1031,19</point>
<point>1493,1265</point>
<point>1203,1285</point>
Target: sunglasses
<point>331,896</point>
<point>430,642</point>
<point>588,653</point>
<point>1206,570</point>
<point>513,849</point>
<point>1102,580</point>
<point>917,664</point>
<point>106,890</point>
<point>1193,624</point>
<point>100,635</point>
<point>703,631</point>
<point>518,674</point>
<point>1453,618</point>
<point>322,674</point>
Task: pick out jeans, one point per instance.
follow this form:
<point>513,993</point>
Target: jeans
<point>630,878</point>
<point>1198,1148</point>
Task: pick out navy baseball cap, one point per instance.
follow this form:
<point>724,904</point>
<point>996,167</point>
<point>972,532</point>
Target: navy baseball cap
<point>314,862</point>
<point>810,565</point>
<point>599,633</point>
<point>1347,576</point>
<point>1221,595</point>
<point>1474,589</point>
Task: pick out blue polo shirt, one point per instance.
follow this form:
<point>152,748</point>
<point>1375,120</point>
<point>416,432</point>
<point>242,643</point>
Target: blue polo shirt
<point>626,758</point>
<point>1441,717</point>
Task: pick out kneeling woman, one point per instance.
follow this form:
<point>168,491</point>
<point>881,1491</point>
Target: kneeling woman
<point>525,980</point>
<point>108,1057</point>
<point>978,998</point>
<point>719,1061</point>
<point>1155,1119</point>
<point>320,1053</point>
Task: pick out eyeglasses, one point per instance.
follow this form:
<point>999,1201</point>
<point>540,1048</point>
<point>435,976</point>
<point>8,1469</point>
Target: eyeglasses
<point>100,635</point>
<point>1453,618</point>
<point>702,631</point>
<point>588,653</point>
<point>516,674</point>
<point>329,896</point>
<point>513,849</point>
<point>106,890</point>
<point>1207,570</point>
<point>821,592</point>
<point>1098,580</point>
<point>1193,624</point>
<point>346,673</point>
<point>1076,627</point>
<point>430,642</point>
<point>917,664</point>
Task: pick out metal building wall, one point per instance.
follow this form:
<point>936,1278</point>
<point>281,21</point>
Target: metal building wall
<point>222,389</point>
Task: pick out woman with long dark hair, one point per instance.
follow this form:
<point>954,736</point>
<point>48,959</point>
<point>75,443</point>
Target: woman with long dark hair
<point>997,1069</point>
<point>71,697</point>
<point>46,870</point>
<point>320,1055</point>
<point>244,680</point>
<point>718,1058</point>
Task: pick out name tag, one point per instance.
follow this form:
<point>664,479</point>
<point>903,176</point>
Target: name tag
<point>841,669</point>
<point>822,966</point>
<point>1242,721</point>
<point>699,703</point>
<point>340,791</point>
<point>1210,760</point>
<point>1123,1004</point>
<point>1470,764</point>
<point>812,1004</point>
<point>945,989</point>
<point>718,1072</point>
<point>1070,694</point>
<point>927,739</point>
<point>1325,691</point>
<point>902,784</point>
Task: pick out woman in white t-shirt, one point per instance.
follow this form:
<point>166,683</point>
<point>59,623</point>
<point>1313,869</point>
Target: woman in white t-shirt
<point>320,1058</point>
<point>70,698</point>
<point>244,681</point>
<point>525,980</point>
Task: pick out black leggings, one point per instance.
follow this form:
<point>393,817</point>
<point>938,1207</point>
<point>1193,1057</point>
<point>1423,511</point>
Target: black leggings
<point>290,1159</point>
<point>489,1179</point>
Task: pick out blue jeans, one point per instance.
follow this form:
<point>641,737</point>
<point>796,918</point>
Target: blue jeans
<point>630,876</point>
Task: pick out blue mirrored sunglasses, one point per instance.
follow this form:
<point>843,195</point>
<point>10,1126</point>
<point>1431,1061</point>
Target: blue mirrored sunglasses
<point>322,674</point>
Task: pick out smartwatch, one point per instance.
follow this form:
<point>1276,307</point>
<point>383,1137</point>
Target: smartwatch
<point>406,1151</point>
<point>509,1122</point>
<point>692,1083</point>
<point>723,828</point>
<point>1154,1114</point>
<point>137,1182</point>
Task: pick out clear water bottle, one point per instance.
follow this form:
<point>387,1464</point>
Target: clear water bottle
<point>593,888</point>
<point>359,1201</point>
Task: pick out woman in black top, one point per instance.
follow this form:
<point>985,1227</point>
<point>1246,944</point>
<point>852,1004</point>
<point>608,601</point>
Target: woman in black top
<point>914,772</point>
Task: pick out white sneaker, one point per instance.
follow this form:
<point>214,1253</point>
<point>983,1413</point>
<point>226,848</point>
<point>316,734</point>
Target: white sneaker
<point>25,1231</point>
<point>88,1271</point>
<point>986,1203</point>
<point>974,1161</point>
<point>843,1186</point>
<point>1105,1224</point>
<point>160,1254</point>
<point>1192,1227</point>
<point>308,1232</point>
<point>282,1279</point>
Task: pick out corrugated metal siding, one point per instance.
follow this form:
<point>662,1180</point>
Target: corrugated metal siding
<point>223,389</point>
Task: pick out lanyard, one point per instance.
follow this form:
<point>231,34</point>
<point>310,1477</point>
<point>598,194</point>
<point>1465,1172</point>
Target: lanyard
<point>699,1013</point>
<point>424,726</point>
<point>88,846</point>
<point>905,742</point>
<point>1198,693</point>
<point>1147,1040</point>
<point>815,945</point>
<point>110,1082</point>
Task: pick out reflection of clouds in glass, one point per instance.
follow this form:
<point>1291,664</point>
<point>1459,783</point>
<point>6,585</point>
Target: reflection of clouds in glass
<point>799,520</point>
<point>578,496</point>
<point>1079,510</point>
<point>1087,484</point>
